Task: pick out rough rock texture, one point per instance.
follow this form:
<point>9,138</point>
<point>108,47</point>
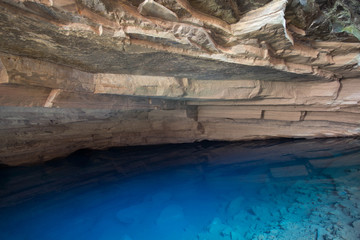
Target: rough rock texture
<point>95,74</point>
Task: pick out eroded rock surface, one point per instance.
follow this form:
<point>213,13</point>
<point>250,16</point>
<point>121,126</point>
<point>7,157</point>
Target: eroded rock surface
<point>95,74</point>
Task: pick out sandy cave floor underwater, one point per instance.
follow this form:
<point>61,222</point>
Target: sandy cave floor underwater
<point>275,189</point>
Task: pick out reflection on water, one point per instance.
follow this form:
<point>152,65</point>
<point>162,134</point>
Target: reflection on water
<point>279,189</point>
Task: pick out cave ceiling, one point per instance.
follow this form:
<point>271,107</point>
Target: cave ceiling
<point>201,39</point>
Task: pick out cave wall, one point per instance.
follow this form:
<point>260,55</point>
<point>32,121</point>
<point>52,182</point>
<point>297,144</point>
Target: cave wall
<point>97,74</point>
<point>49,110</point>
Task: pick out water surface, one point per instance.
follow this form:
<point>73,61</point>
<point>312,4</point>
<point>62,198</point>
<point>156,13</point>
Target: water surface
<point>278,189</point>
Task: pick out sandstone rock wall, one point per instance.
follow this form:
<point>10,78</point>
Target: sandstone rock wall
<point>49,110</point>
<point>95,74</point>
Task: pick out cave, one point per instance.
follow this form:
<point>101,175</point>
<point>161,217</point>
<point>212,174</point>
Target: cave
<point>179,119</point>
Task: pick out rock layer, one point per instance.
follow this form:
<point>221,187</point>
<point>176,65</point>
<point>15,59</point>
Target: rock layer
<point>95,74</point>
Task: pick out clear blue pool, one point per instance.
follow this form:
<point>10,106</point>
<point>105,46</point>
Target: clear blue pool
<point>278,189</point>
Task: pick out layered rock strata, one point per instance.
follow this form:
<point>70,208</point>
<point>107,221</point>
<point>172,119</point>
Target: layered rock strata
<point>95,74</point>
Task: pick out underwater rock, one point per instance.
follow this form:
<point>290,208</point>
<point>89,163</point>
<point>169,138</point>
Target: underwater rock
<point>130,214</point>
<point>356,224</point>
<point>216,226</point>
<point>170,215</point>
<point>217,230</point>
<point>261,212</point>
<point>235,206</point>
<point>321,205</point>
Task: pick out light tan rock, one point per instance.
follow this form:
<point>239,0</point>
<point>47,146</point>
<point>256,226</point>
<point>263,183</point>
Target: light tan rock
<point>12,95</point>
<point>258,129</point>
<point>290,92</point>
<point>154,9</point>
<point>350,59</point>
<point>45,2</point>
<point>350,108</point>
<point>138,85</point>
<point>4,78</point>
<point>300,90</point>
<point>38,134</point>
<point>349,93</point>
<point>53,94</point>
<point>282,115</point>
<point>26,71</point>
<point>67,5</point>
<point>226,112</point>
<point>333,117</point>
<point>228,89</point>
<point>284,93</point>
<point>259,22</point>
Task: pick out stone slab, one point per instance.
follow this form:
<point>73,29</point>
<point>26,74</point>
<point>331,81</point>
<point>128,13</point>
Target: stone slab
<point>343,117</point>
<point>282,115</point>
<point>215,112</point>
<point>14,95</point>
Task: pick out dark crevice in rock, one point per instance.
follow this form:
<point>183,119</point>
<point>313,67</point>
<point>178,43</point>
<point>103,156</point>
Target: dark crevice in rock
<point>336,20</point>
<point>248,5</point>
<point>226,10</point>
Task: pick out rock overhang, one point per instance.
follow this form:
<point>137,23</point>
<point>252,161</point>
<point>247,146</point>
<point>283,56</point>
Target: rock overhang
<point>91,38</point>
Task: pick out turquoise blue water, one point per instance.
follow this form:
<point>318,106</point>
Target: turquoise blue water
<point>279,189</point>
